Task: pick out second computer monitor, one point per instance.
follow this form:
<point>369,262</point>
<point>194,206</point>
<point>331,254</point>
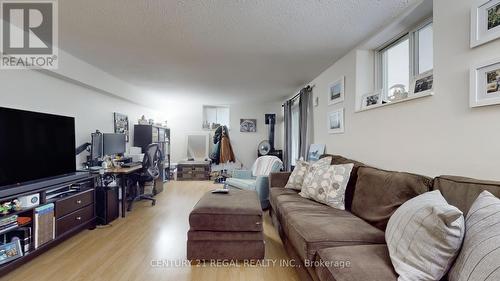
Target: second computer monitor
<point>113,144</point>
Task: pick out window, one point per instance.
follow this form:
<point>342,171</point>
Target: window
<point>425,56</point>
<point>215,115</point>
<point>401,60</point>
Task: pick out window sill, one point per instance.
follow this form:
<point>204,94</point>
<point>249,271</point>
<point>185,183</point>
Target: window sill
<point>412,97</point>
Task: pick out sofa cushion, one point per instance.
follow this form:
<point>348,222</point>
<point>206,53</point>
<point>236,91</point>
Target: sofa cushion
<point>308,232</point>
<point>296,179</point>
<point>328,185</point>
<point>274,192</point>
<point>287,201</point>
<point>424,236</point>
<point>379,193</point>
<point>310,225</point>
<point>239,210</point>
<point>479,258</point>
<point>354,263</point>
<point>351,185</point>
<point>462,192</point>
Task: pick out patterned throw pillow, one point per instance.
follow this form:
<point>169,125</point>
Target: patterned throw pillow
<point>479,258</point>
<point>297,177</point>
<point>327,184</point>
<point>424,236</point>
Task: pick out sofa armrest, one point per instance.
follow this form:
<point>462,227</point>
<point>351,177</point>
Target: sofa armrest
<point>242,174</point>
<point>279,179</point>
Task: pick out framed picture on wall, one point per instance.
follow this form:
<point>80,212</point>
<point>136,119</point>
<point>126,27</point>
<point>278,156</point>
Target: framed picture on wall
<point>423,84</point>
<point>336,121</point>
<point>485,83</point>
<point>336,91</point>
<point>121,124</point>
<point>485,22</point>
<point>248,125</point>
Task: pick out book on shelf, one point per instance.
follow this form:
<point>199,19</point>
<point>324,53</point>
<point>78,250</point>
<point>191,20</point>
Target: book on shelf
<point>44,225</point>
<point>8,220</point>
<point>8,227</point>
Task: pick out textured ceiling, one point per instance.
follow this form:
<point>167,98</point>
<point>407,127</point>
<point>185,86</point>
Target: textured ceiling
<point>225,51</point>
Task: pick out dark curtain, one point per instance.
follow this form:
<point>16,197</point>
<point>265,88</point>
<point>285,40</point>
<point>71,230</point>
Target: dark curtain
<point>287,153</point>
<point>304,121</point>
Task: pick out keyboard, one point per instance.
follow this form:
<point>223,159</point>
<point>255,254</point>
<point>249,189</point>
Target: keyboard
<point>131,165</point>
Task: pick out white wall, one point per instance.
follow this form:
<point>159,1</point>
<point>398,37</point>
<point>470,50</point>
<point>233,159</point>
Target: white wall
<point>432,135</point>
<point>245,144</point>
<point>37,91</point>
<point>187,117</point>
<point>93,110</point>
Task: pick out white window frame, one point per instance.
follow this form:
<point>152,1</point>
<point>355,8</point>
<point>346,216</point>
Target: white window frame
<point>205,107</point>
<point>380,62</point>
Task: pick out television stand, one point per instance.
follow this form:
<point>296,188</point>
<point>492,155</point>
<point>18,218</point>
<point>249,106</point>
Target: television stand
<point>74,210</point>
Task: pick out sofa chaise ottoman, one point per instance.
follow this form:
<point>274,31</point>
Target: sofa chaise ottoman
<point>226,227</point>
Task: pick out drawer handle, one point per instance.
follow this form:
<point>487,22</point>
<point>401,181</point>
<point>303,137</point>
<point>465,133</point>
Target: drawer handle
<point>78,201</point>
<point>78,218</point>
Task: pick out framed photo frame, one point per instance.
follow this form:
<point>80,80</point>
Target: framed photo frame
<point>423,84</point>
<point>485,22</point>
<point>121,124</point>
<point>336,121</point>
<point>336,91</point>
<point>315,151</point>
<point>248,125</point>
<point>371,99</point>
<point>485,83</point>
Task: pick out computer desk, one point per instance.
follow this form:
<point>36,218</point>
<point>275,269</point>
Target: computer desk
<point>122,174</point>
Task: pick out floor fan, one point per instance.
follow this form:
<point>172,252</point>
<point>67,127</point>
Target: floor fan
<point>266,147</point>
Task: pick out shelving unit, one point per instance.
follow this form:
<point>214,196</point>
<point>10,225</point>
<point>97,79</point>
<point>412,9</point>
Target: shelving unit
<point>73,212</point>
<point>145,135</point>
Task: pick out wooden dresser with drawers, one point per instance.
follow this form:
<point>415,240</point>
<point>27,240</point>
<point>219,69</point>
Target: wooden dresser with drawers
<point>193,170</point>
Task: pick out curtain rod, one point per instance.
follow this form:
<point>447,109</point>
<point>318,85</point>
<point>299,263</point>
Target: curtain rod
<point>298,94</point>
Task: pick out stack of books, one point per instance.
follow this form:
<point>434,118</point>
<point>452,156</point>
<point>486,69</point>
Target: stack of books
<point>8,223</point>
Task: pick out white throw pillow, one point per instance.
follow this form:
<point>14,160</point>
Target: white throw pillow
<point>424,236</point>
<point>327,185</point>
<point>297,177</point>
<point>323,162</point>
<point>479,258</point>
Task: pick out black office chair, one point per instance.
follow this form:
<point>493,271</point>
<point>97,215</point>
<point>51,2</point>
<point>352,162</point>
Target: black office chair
<point>150,172</point>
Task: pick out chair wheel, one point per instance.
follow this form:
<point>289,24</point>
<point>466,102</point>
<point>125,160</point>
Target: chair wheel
<point>153,203</point>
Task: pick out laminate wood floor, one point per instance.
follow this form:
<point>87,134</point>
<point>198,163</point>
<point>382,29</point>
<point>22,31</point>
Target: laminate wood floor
<point>127,249</point>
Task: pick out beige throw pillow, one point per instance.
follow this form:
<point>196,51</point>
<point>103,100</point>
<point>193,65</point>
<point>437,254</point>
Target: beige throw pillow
<point>327,184</point>
<point>424,236</point>
<point>479,258</point>
<point>297,177</point>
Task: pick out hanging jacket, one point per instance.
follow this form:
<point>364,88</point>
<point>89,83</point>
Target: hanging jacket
<point>226,150</point>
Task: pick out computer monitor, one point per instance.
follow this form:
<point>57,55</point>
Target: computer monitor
<point>96,148</point>
<point>113,144</point>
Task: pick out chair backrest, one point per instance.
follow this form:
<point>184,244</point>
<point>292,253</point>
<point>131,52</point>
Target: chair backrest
<point>265,165</point>
<point>151,161</point>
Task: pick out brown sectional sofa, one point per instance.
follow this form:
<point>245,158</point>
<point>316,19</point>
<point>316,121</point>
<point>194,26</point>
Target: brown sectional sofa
<point>337,245</point>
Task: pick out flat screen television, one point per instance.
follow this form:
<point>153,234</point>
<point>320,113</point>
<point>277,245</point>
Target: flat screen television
<point>35,146</point>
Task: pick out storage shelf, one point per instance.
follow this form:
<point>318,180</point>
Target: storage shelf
<point>14,228</point>
<point>17,212</point>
